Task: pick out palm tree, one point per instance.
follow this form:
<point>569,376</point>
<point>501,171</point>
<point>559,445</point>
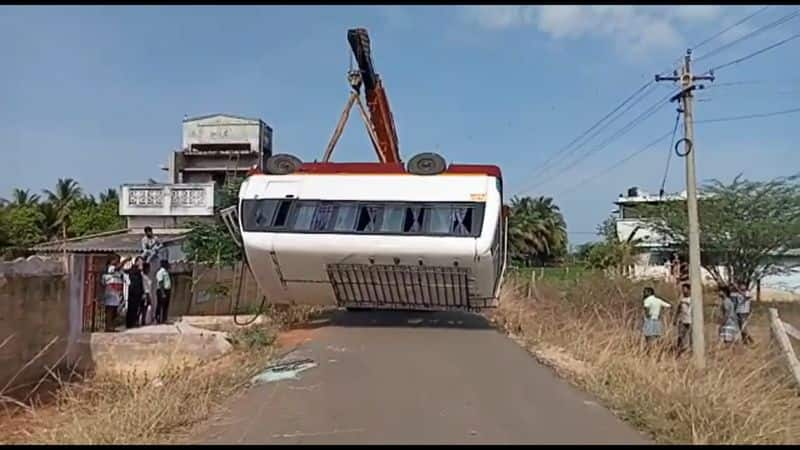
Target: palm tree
<point>49,221</point>
<point>537,230</point>
<point>23,197</point>
<point>110,195</point>
<point>66,194</point>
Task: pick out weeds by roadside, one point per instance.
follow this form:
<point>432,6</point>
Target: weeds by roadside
<point>745,395</point>
<point>117,408</point>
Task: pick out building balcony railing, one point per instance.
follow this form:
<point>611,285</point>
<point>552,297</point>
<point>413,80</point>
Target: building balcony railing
<point>184,199</point>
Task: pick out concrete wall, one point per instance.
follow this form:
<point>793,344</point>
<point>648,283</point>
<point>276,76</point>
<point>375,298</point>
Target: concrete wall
<point>206,298</point>
<point>37,306</point>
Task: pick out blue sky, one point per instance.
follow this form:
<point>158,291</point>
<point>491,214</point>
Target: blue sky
<point>98,93</point>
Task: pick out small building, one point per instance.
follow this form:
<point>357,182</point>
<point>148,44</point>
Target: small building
<point>219,146</point>
<point>631,222</point>
<point>215,147</point>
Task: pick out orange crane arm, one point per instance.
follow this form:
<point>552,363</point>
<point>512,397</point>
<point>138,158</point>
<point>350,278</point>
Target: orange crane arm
<point>378,103</point>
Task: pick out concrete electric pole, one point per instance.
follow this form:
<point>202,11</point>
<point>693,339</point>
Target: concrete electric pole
<point>685,96</point>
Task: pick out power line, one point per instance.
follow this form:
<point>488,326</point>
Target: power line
<point>721,32</point>
<point>749,116</point>
<point>750,82</point>
<point>619,163</point>
<point>572,150</point>
<point>546,163</point>
<point>621,132</point>
<point>756,53</point>
<point>661,138</point>
<point>757,31</point>
<point>669,153</point>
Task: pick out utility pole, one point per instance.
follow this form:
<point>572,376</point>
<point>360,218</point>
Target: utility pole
<point>686,98</point>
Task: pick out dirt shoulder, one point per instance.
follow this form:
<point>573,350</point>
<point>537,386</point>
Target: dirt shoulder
<point>589,333</point>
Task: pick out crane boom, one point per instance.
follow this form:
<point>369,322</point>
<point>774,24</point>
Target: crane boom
<point>378,103</point>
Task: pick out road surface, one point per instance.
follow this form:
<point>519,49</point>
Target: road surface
<point>413,378</point>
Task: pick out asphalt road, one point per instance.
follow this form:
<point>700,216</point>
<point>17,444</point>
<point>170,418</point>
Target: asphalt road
<point>413,378</point>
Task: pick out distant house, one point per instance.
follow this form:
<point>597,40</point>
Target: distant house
<point>218,146</point>
<point>215,148</point>
<point>652,262</point>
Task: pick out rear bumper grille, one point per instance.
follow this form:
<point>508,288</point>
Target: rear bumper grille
<point>404,287</point>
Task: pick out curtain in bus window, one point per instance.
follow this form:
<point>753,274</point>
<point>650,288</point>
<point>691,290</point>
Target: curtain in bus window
<point>323,216</point>
<point>393,217</point>
<point>368,219</point>
<point>413,220</point>
<point>462,221</point>
<point>305,213</point>
<point>345,218</point>
<point>440,220</point>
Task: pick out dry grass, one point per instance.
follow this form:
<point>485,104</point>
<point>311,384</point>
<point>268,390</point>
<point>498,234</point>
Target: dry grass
<point>590,332</point>
<point>117,408</point>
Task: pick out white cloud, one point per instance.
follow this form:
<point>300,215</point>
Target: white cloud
<point>634,29</point>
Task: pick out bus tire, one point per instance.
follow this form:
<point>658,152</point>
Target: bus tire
<point>283,164</point>
<point>427,164</point>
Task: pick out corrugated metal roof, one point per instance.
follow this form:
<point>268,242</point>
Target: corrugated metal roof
<point>122,242</point>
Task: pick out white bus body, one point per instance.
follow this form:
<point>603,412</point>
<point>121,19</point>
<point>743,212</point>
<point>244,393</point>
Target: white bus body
<point>383,241</point>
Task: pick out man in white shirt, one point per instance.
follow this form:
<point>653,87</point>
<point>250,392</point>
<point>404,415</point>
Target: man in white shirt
<point>163,291</point>
<point>652,322</point>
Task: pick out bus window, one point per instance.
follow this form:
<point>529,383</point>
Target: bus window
<point>369,219</point>
<point>345,217</point>
<point>393,218</point>
<point>439,220</point>
<point>282,214</point>
<point>461,221</point>
<point>303,216</point>
<point>414,220</point>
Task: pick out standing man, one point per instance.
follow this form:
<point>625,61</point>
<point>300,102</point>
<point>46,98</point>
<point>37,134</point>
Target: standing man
<point>683,319</point>
<point>652,328</point>
<point>729,324</point>
<point>135,294</point>
<point>151,245</point>
<point>742,299</point>
<point>112,291</point>
<point>164,289</point>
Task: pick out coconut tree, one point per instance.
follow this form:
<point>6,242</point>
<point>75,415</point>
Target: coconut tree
<point>66,194</point>
<point>537,231</point>
<point>110,195</point>
<point>23,197</point>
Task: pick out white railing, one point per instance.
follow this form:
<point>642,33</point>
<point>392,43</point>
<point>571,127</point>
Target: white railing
<point>185,199</point>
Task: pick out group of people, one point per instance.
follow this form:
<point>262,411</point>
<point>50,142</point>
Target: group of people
<point>128,287</point>
<point>734,308</point>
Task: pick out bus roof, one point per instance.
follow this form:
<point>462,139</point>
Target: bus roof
<point>375,168</point>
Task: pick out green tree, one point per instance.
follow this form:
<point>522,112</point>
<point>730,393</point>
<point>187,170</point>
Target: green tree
<point>23,197</point>
<point>20,226</point>
<point>614,254</point>
<point>66,194</point>
<point>537,230</point>
<point>211,244</point>
<point>109,195</point>
<point>745,226</point>
<point>48,220</point>
<point>89,217</point>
